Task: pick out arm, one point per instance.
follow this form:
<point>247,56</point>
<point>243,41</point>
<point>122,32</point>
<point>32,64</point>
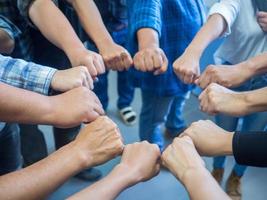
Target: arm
<point>222,16</point>
<point>54,23</point>
<point>90,148</point>
<point>231,76</point>
<point>115,56</point>
<point>182,159</point>
<point>139,163</point>
<point>33,108</point>
<point>218,99</point>
<point>7,43</point>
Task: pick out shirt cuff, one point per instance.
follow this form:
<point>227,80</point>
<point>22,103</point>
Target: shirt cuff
<point>224,11</point>
<point>9,27</point>
<point>47,74</point>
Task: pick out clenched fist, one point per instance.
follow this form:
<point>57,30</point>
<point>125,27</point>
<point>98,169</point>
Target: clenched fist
<point>226,75</point>
<point>99,142</point>
<point>141,160</point>
<point>65,80</point>
<point>116,57</point>
<point>91,60</point>
<point>209,139</point>
<point>187,68</point>
<point>79,105</point>
<point>151,59</point>
<point>218,99</point>
<point>262,20</point>
<point>181,156</point>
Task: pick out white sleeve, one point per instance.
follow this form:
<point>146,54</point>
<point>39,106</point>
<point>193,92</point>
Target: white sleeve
<point>229,9</point>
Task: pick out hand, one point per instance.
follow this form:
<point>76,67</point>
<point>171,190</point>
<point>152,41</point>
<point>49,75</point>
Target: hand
<point>262,20</point>
<point>218,99</point>
<point>151,59</point>
<point>225,75</point>
<point>65,80</point>
<point>91,60</point>
<point>209,139</point>
<point>142,160</point>
<point>79,105</point>
<point>99,142</point>
<point>181,157</point>
<point>116,57</point>
<point>187,68</point>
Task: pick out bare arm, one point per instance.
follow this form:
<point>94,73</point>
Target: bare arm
<point>115,56</point>
<point>91,147</point>
<point>57,29</point>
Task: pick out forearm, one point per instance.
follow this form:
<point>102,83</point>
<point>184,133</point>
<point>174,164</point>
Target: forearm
<point>109,187</point>
<point>40,179</point>
<point>199,189</point>
<point>92,22</point>
<point>147,37</point>
<point>18,105</point>
<point>255,100</point>
<point>54,26</point>
<point>255,66</point>
<point>214,28</point>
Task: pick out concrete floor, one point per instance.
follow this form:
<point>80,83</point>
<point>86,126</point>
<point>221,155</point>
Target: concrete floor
<point>164,186</point>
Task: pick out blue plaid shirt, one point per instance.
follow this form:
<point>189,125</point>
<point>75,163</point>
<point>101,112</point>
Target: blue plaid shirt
<point>16,25</point>
<point>177,22</point>
<point>26,75</point>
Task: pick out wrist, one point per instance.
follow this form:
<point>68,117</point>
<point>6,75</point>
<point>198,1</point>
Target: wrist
<point>75,51</point>
<point>191,173</point>
<point>227,144</point>
<point>247,69</point>
<point>194,52</point>
<point>147,38</point>
<point>103,42</point>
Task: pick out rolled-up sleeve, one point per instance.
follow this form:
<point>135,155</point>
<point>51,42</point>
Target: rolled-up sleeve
<point>145,14</point>
<point>26,75</point>
<point>24,6</point>
<point>229,9</point>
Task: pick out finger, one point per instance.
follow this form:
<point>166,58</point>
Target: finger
<point>148,63</point>
<point>89,80</point>
<point>164,66</point>
<point>197,81</point>
<point>99,109</point>
<point>157,61</point>
<point>99,65</point>
<point>142,64</point>
<point>92,116</point>
<point>261,14</point>
<point>127,60</point>
<point>91,68</point>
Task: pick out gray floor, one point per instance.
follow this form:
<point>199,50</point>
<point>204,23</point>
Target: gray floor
<point>164,186</point>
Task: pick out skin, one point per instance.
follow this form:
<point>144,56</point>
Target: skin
<point>140,162</point>
<point>115,56</point>
<point>7,43</point>
<point>232,76</point>
<point>54,23</point>
<point>209,139</point>
<point>150,58</point>
<point>186,67</point>
<point>218,99</point>
<point>182,159</point>
<point>33,108</point>
<point>92,147</point>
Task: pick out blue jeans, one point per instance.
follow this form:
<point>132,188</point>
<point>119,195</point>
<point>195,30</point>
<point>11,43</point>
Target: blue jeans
<point>253,122</point>
<point>125,90</point>
<point>153,115</point>
<point>175,121</point>
<point>10,154</point>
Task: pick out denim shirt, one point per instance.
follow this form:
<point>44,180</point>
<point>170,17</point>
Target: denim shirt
<point>177,22</point>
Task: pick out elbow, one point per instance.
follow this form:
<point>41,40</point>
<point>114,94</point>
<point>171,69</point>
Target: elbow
<point>7,45</point>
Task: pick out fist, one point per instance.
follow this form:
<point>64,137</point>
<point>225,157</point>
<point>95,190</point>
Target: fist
<point>187,68</point>
<point>262,20</point>
<point>151,59</point>
<point>225,75</point>
<point>116,57</point>
<point>209,139</point>
<point>65,80</point>
<point>91,60</point>
<point>182,156</point>
<point>79,105</point>
<point>218,99</point>
<point>142,160</point>
<point>99,142</point>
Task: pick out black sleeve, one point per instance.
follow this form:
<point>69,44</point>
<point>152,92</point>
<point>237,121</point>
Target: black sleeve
<point>250,148</point>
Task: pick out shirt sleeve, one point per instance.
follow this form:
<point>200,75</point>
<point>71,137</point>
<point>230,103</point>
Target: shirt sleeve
<point>250,148</point>
<point>26,75</point>
<point>145,14</point>
<point>229,9</point>
<point>6,25</point>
